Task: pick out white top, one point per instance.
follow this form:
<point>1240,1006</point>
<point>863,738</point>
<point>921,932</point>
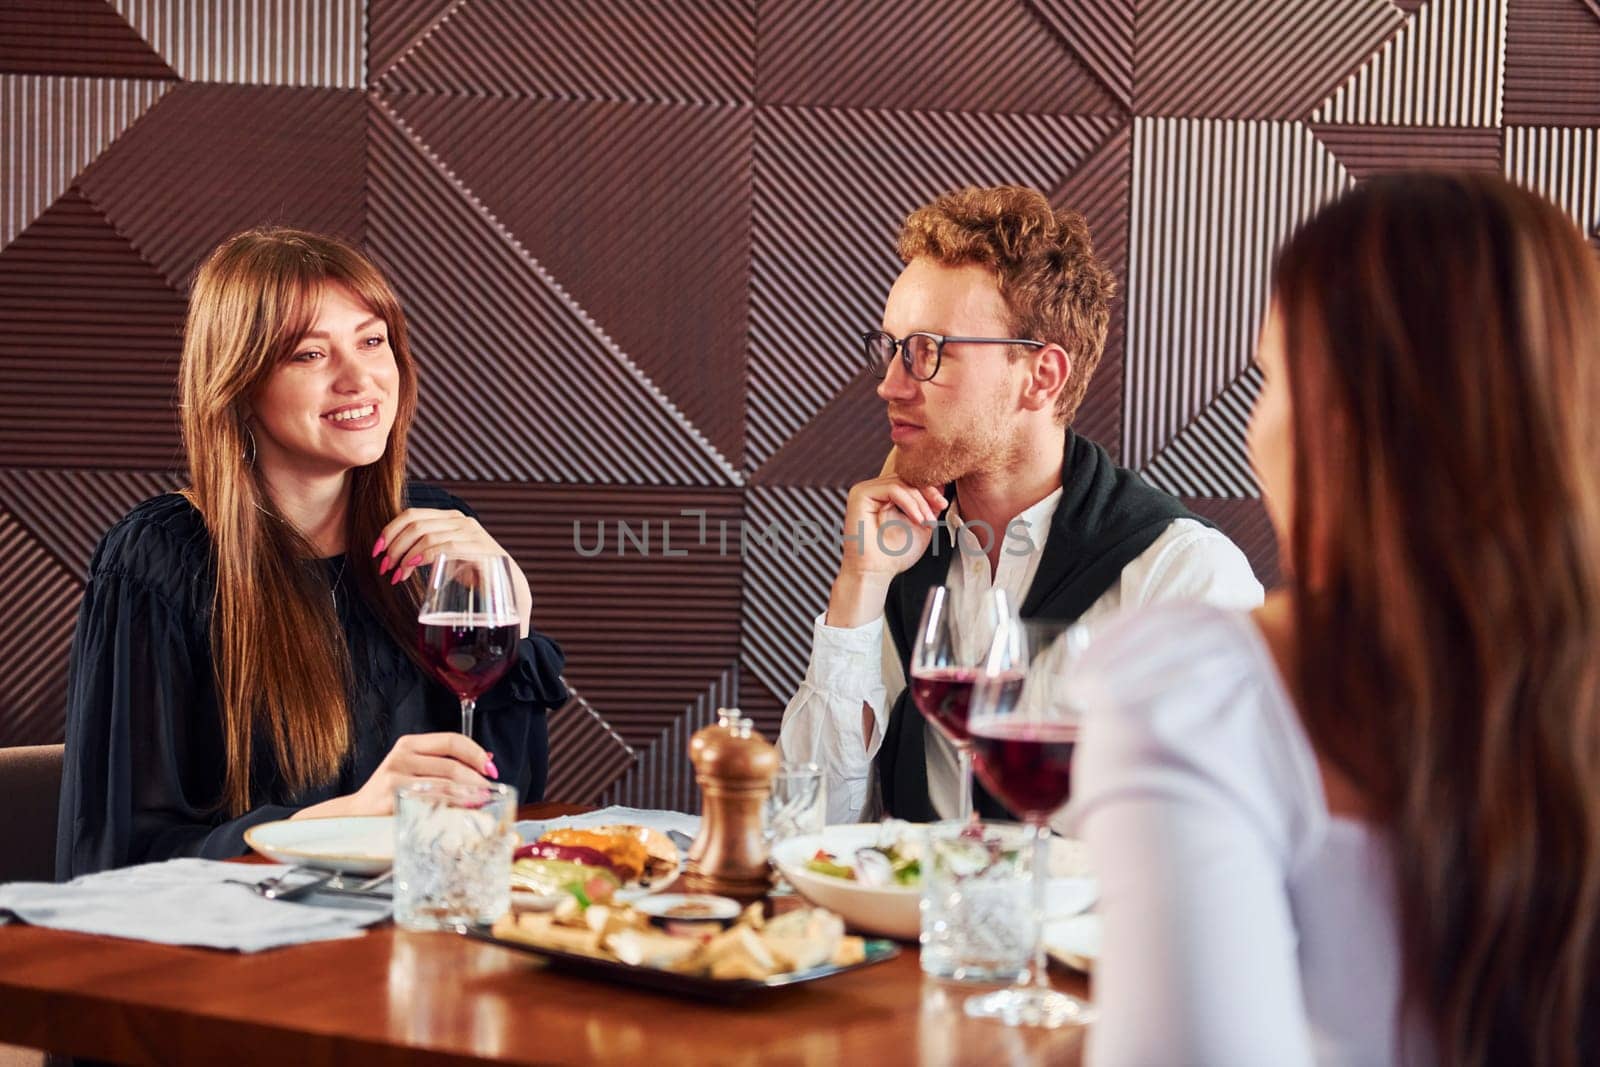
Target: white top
<point>858,665</point>
<point>1243,924</point>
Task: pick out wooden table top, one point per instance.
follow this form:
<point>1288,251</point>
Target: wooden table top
<point>393,996</point>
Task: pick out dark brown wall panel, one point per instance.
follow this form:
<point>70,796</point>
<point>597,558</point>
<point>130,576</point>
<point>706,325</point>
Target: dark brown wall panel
<point>1368,150</point>
<point>1249,58</point>
<point>840,445</point>
<point>1101,34</point>
<point>637,241</point>
<point>981,55</point>
<point>588,757</point>
<point>637,51</point>
<point>85,37</point>
<point>209,160</point>
<point>396,27</point>
<point>1553,63</point>
<point>521,382</point>
<point>67,511</point>
<point>89,339</point>
<point>678,244</point>
<point>1098,188</point>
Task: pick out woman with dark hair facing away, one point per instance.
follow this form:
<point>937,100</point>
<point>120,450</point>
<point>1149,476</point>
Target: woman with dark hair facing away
<point>245,650</point>
<point>1361,825</point>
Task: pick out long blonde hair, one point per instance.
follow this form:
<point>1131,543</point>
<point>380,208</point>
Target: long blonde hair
<point>281,664</point>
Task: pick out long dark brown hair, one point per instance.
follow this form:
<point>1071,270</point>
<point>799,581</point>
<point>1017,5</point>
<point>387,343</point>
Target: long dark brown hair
<point>281,664</point>
<point>1443,347</point>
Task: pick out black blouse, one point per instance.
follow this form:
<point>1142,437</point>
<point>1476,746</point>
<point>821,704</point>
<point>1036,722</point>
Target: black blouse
<point>144,765</point>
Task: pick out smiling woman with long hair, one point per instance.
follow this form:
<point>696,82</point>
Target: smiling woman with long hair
<point>244,650</point>
<point>1362,825</point>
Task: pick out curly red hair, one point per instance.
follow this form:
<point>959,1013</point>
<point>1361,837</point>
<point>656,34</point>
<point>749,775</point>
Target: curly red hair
<point>1054,287</point>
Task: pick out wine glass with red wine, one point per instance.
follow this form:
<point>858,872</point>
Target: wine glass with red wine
<point>1024,726</point>
<point>468,626</point>
<point>952,643</point>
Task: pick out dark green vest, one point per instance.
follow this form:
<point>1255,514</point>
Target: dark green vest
<point>1106,518</point>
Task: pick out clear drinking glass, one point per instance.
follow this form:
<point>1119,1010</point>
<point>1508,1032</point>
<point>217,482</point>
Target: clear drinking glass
<point>977,925</point>
<point>468,626</point>
<point>452,854</point>
<point>951,644</point>
<point>796,805</point>
<point>1024,727</point>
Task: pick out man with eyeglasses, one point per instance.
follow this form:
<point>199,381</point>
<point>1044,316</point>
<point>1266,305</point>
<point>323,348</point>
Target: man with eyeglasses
<point>988,341</point>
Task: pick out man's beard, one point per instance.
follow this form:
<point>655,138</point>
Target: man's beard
<point>936,463</point>
<point>940,461</point>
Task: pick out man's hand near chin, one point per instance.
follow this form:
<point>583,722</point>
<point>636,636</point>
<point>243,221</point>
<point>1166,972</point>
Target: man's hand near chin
<point>887,527</point>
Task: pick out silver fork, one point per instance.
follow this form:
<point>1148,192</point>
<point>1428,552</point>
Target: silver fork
<point>327,882</point>
<point>273,888</point>
<point>370,886</point>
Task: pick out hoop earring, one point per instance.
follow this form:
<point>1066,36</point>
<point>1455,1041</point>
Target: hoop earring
<point>250,448</point>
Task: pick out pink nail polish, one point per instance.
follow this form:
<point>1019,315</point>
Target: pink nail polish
<point>398,571</point>
<point>379,545</point>
<point>383,568</point>
<point>414,561</point>
<point>490,770</point>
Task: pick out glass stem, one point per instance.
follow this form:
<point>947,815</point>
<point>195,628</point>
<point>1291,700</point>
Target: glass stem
<point>964,810</point>
<point>1039,979</point>
<point>468,706</point>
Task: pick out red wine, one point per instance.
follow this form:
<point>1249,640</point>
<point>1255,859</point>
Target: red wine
<point>1028,765</point>
<point>468,653</point>
<point>942,695</point>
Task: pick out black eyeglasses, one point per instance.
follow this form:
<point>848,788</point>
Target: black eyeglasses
<point>920,353</point>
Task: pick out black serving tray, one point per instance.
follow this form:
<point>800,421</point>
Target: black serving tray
<point>688,985</point>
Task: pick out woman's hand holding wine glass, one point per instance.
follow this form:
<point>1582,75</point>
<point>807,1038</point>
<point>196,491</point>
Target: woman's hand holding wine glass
<point>467,626</point>
<point>418,536</point>
<point>440,757</point>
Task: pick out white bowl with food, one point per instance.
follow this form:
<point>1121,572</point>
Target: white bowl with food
<point>886,897</point>
<point>889,910</point>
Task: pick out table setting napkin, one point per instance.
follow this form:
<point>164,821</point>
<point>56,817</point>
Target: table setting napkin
<point>188,902</point>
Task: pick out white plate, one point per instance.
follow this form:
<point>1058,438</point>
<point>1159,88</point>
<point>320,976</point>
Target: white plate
<point>358,844</point>
<point>1075,941</point>
<point>895,911</point>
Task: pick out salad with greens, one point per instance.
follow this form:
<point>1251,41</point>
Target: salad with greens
<point>896,861</point>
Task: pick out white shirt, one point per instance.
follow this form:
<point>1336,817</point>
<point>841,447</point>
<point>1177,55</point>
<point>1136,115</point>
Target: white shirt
<point>858,665</point>
<point>1243,923</point>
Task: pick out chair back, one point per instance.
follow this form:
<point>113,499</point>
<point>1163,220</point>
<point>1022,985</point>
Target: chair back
<point>30,784</point>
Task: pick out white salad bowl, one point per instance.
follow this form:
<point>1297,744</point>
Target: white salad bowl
<point>889,911</point>
<point>896,910</point>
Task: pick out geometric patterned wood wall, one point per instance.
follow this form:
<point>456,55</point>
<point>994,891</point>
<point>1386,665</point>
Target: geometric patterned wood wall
<point>636,239</point>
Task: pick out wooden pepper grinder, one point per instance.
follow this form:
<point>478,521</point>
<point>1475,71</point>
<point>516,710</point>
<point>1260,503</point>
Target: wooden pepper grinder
<point>734,766</point>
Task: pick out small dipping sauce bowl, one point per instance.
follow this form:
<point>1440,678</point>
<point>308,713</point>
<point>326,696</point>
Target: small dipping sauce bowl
<point>689,912</point>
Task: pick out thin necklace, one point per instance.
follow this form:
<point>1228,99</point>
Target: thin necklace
<point>333,589</point>
<point>344,558</point>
